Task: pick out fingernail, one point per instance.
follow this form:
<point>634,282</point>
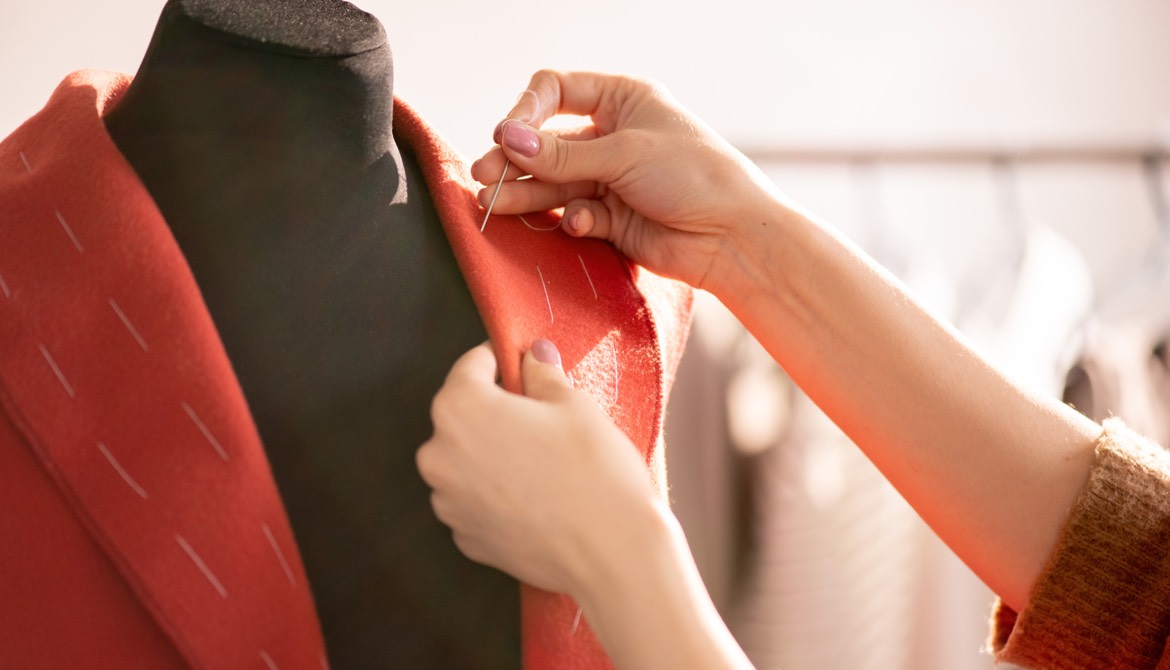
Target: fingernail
<point>546,352</point>
<point>521,139</point>
<point>499,129</point>
<point>575,222</point>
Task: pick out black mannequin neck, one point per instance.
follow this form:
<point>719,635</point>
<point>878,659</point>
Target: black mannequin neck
<point>280,117</point>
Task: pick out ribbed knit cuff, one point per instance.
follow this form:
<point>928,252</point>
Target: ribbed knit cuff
<point>1103,599</point>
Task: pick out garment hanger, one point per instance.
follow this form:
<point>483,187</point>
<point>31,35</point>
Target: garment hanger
<point>880,238</point>
<point>1125,369</point>
<point>1144,295</point>
<point>1027,307</point>
<point>985,294</point>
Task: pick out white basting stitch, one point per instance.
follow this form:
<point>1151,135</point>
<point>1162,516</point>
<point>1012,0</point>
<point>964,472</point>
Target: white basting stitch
<point>4,287</point>
<point>576,622</point>
<point>72,235</point>
<point>206,433</point>
<point>125,475</point>
<point>616,372</point>
<point>24,159</point>
<point>268,660</point>
<point>587,276</point>
<point>279,555</point>
<point>546,300</point>
<point>202,566</point>
<point>129,326</point>
<point>539,230</point>
<point>56,370</point>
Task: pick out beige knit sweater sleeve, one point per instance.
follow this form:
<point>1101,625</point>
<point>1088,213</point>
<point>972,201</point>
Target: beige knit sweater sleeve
<point>1103,600</point>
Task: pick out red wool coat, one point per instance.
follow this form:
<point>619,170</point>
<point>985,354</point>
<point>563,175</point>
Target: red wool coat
<point>140,524</point>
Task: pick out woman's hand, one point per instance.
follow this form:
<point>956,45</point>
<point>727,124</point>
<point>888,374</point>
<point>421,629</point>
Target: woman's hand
<point>647,175</point>
<point>543,486</point>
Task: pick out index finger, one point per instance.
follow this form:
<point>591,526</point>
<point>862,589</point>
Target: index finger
<point>478,365</point>
<point>551,92</point>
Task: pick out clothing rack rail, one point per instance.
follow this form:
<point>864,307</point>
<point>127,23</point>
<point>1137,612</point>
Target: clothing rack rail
<point>959,153</point>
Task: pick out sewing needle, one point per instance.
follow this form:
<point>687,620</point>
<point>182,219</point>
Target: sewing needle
<point>499,185</point>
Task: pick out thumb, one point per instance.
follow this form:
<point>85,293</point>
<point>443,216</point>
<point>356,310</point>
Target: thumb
<point>556,160</point>
<point>544,379</point>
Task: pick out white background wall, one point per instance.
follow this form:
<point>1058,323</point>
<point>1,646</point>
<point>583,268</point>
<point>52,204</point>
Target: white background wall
<point>790,71</point>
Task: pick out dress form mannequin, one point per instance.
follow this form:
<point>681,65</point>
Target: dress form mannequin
<point>262,129</point>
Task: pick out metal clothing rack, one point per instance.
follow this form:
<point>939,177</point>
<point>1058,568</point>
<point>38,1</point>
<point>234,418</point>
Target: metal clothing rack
<point>959,153</point>
<point>1151,157</point>
<point>866,161</point>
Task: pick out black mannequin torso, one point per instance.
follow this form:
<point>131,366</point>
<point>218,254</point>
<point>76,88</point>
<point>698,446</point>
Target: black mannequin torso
<point>263,132</point>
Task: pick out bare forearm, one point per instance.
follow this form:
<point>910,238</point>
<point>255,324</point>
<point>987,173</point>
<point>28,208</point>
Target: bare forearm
<point>992,468</point>
<point>648,606</point>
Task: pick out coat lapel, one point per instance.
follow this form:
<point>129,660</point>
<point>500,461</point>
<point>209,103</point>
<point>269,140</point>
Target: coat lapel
<point>115,375</point>
<point>620,331</point>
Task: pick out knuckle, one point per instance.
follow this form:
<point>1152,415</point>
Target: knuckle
<point>641,82</point>
<point>546,88</point>
<point>428,461</point>
<point>445,406</point>
<point>543,75</point>
<point>439,407</point>
<point>422,461</point>
<point>442,510</point>
<point>560,157</point>
<point>637,84</point>
<point>467,546</point>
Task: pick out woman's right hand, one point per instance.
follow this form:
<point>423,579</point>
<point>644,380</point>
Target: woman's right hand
<point>648,176</point>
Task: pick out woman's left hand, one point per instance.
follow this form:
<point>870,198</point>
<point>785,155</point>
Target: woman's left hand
<point>542,486</point>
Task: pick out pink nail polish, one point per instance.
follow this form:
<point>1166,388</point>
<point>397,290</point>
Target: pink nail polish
<point>521,139</point>
<point>575,222</point>
<point>499,129</point>
<point>546,352</point>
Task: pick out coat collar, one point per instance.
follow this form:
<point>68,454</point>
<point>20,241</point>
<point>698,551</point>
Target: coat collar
<point>112,367</point>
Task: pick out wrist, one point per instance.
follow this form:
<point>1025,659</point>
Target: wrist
<point>751,265</point>
<point>615,555</point>
<point>651,610</point>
